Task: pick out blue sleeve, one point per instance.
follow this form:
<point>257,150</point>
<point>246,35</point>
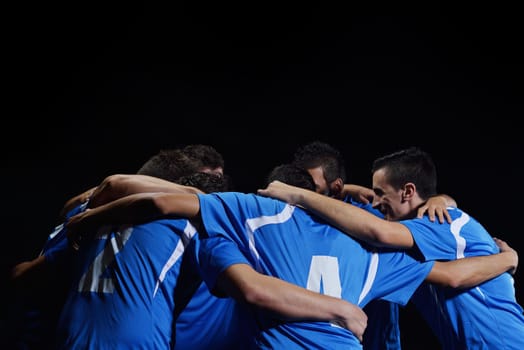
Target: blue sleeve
<point>56,248</point>
<point>218,218</point>
<point>397,276</point>
<point>462,238</point>
<point>57,244</point>
<point>215,255</point>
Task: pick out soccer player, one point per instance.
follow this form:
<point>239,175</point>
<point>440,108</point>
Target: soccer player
<point>42,283</point>
<point>138,286</point>
<point>326,165</point>
<point>487,316</point>
<point>284,241</point>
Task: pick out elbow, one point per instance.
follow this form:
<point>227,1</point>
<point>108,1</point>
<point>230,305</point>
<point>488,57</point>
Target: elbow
<point>455,282</point>
<point>253,296</point>
<point>448,278</point>
<point>160,205</point>
<point>380,236</point>
<point>112,180</point>
<point>107,190</point>
<point>377,239</point>
<point>463,278</point>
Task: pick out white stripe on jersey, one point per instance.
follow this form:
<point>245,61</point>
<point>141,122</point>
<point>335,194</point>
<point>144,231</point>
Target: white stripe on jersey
<point>254,223</point>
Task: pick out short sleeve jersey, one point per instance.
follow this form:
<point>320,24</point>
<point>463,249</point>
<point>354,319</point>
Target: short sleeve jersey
<point>285,241</point>
<point>487,316</point>
<point>56,248</point>
<point>126,290</point>
<point>382,330</point>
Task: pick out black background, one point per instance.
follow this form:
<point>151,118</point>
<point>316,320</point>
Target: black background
<point>94,89</point>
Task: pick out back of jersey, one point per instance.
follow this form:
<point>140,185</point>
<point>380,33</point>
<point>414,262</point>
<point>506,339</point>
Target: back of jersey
<point>204,321</point>
<point>284,241</point>
<point>122,296</point>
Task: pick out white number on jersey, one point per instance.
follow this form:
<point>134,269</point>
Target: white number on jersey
<point>324,272</point>
<point>92,280</point>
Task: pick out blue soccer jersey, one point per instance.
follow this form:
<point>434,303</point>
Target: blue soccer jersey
<point>285,241</point>
<point>382,330</point>
<point>56,247</point>
<point>204,321</point>
<point>127,292</point>
<point>485,317</point>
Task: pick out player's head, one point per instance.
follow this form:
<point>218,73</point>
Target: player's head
<point>168,164</point>
<point>207,159</point>
<point>172,164</point>
<point>402,181</point>
<point>291,175</point>
<point>206,182</point>
<point>325,164</point>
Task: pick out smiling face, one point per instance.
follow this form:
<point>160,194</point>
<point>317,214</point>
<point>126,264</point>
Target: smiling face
<point>393,203</point>
<point>402,182</point>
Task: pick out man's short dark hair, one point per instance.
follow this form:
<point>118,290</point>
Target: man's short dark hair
<point>291,175</point>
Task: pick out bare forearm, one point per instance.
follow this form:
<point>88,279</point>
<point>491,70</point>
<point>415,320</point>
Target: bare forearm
<point>294,303</point>
<point>134,209</point>
<point>353,221</point>
<point>27,268</point>
<point>288,301</point>
<point>472,271</point>
<point>118,186</point>
<point>356,222</point>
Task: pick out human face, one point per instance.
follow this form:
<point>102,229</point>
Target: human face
<point>387,199</point>
<point>321,186</point>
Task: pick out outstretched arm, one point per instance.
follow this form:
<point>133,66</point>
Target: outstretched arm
<point>472,271</point>
<point>290,302</point>
<point>27,269</point>
<point>353,221</point>
<point>121,185</point>
<point>435,207</point>
<point>132,209</point>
